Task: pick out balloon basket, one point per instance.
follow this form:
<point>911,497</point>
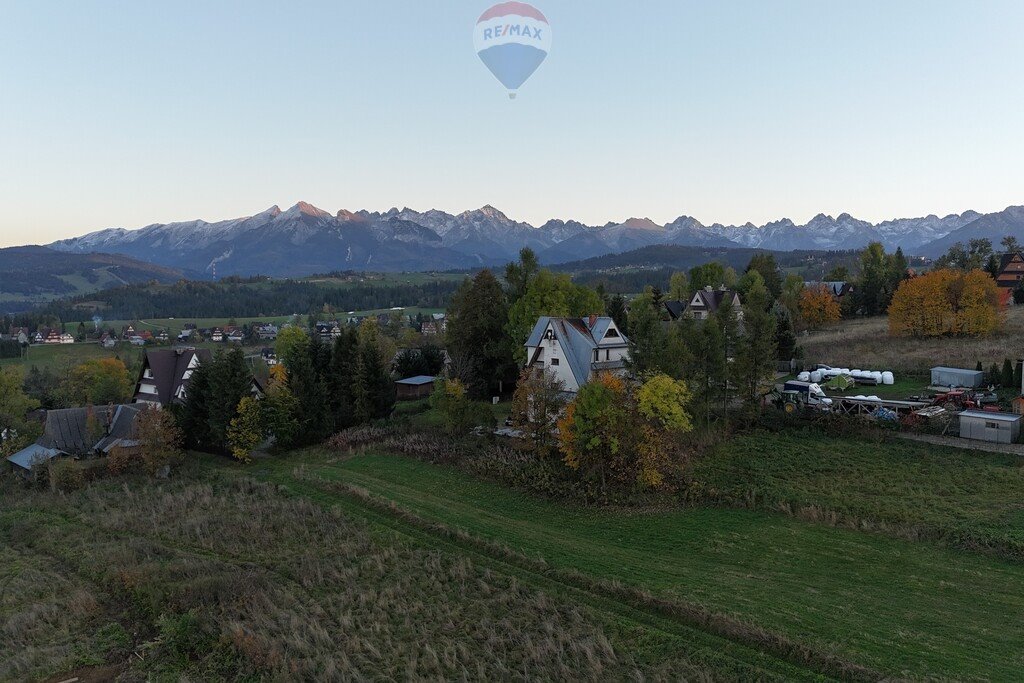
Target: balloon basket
<point>511,95</point>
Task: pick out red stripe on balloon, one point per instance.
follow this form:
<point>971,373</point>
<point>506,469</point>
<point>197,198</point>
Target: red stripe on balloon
<point>517,8</point>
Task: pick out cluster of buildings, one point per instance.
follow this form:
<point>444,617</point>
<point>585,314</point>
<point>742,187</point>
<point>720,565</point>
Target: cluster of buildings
<point>93,431</point>
<point>43,335</point>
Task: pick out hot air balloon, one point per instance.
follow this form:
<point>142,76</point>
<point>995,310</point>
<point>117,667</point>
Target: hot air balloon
<point>512,39</point>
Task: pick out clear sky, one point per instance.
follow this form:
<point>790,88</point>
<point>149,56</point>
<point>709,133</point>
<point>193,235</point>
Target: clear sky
<point>128,113</point>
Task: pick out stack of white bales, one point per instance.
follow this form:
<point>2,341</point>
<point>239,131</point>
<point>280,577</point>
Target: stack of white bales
<point>825,374</point>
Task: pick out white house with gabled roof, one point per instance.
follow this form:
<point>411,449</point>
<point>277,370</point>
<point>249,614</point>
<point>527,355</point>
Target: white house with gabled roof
<point>575,349</point>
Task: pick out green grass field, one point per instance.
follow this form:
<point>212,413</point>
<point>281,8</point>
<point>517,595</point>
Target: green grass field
<point>969,498</point>
<point>908,609</point>
<point>60,357</point>
<point>208,577</point>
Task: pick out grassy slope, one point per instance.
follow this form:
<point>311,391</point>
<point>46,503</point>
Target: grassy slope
<point>865,344</point>
<point>971,497</point>
<point>63,356</point>
<point>905,608</point>
<point>224,579</point>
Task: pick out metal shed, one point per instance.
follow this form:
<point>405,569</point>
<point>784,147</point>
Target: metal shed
<point>982,425</point>
<point>957,377</point>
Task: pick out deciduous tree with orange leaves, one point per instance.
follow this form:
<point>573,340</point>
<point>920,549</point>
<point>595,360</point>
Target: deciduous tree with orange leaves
<point>818,307</point>
<point>946,302</point>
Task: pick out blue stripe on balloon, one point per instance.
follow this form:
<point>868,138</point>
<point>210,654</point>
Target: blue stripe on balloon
<point>512,63</point>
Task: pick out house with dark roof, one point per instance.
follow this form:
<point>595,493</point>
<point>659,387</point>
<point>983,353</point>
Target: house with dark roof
<point>575,349</point>
<point>1011,270</point>
<point>165,375</point>
<point>838,289</point>
<point>79,433</point>
<point>703,303</point>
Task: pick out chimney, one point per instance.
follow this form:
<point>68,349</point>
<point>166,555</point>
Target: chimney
<point>708,288</point>
<point>593,320</point>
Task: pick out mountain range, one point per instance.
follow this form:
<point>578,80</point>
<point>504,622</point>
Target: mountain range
<point>305,239</point>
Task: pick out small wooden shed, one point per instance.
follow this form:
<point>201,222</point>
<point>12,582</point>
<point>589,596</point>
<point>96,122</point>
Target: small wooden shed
<point>414,388</point>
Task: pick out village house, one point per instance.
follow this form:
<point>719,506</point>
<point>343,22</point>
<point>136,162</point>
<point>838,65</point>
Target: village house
<point>328,331</point>
<point>703,303</point>
<point>265,331</point>
<point>217,335</point>
<point>107,341</point>
<point>56,337</point>
<point>1011,270</point>
<point>19,334</point>
<point>269,357</point>
<point>236,337</point>
<point>437,324</point>
<point>574,349</point>
<point>127,332</point>
<point>837,289</point>
<point>79,433</point>
<point>165,375</point>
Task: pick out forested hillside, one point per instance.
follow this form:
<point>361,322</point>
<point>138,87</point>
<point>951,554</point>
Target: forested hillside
<point>251,298</point>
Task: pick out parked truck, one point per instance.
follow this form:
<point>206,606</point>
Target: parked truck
<point>811,394</point>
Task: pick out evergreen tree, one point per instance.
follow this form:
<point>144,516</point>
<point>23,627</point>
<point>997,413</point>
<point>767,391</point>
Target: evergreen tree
<point>654,347</point>
<point>1007,375</point>
<point>375,392</point>
<point>616,309</point>
<point>994,376</point>
<point>1018,375</point>
<point>309,387</point>
<point>785,337</point>
<point>344,357</point>
<point>192,415</point>
<point>756,352</point>
<point>706,368</point>
<point>229,382</point>
<point>476,333</point>
<point>769,270</point>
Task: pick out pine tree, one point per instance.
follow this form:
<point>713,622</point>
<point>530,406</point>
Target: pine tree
<point>310,391</point>
<point>476,333</point>
<point>230,382</point>
<point>344,356</point>
<point>1006,377</point>
<point>994,376</point>
<point>756,352</point>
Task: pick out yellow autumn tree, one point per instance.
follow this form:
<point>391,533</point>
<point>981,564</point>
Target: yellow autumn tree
<point>978,310</point>
<point>818,307</point>
<point>946,302</point>
<point>625,436</point>
<point>661,404</point>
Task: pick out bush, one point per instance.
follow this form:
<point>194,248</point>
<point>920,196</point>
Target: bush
<point>65,475</point>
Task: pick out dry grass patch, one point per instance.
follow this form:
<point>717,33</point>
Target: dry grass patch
<point>865,343</point>
<point>232,579</point>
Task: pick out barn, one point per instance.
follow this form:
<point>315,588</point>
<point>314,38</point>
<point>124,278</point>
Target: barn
<point>957,377</point>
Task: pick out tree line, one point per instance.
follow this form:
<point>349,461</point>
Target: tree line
<point>247,299</point>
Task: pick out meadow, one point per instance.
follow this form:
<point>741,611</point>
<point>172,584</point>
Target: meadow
<point>967,499</point>
<point>865,343</point>
<point>213,577</point>
<point>907,609</point>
